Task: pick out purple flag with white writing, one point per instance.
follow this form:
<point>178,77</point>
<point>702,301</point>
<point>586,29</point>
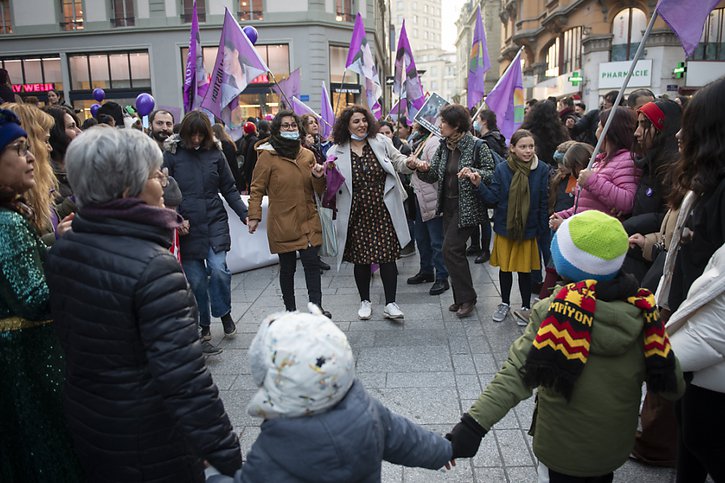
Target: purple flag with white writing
<point>237,63</point>
<point>328,114</point>
<point>195,79</point>
<point>478,63</point>
<point>507,99</point>
<point>289,86</point>
<point>686,18</point>
<point>407,83</point>
<point>360,60</point>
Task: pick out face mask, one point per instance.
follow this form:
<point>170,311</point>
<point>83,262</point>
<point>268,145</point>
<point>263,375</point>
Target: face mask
<point>293,135</point>
<point>559,157</point>
<point>358,138</point>
<point>476,126</point>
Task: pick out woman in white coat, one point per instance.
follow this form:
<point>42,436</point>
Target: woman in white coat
<point>371,223</point>
<point>697,334</point>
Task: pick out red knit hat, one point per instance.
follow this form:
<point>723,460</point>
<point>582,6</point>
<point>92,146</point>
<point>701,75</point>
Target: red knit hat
<point>653,112</point>
<point>249,127</point>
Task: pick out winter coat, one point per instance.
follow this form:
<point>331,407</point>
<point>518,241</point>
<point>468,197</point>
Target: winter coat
<point>139,401</point>
<point>347,443</point>
<point>292,222</point>
<point>392,162</point>
<point>471,211</point>
<point>656,242</point>
<point>593,434</point>
<point>426,193</point>
<point>610,188</point>
<point>497,195</point>
<point>697,331</point>
<point>202,174</point>
<point>230,154</point>
<point>495,142</point>
<point>585,128</point>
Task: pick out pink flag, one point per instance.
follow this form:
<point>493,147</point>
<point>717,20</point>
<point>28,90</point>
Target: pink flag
<point>237,63</point>
<point>195,79</point>
<point>289,86</point>
<point>328,115</point>
<point>686,18</point>
<point>360,60</point>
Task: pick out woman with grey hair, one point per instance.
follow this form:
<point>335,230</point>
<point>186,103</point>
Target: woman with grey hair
<point>139,401</point>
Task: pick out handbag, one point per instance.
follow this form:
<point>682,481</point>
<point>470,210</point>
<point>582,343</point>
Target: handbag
<point>329,234</point>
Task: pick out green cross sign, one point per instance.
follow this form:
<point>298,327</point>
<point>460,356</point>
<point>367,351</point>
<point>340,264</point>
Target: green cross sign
<point>576,78</point>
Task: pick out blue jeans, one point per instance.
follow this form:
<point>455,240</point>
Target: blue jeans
<point>429,238</point>
<point>211,282</point>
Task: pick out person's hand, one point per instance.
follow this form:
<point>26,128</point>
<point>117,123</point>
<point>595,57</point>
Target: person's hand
<point>422,166</point>
<point>584,176</point>
<point>465,437</point>
<point>411,162</point>
<point>472,175</point>
<point>636,240</point>
<point>450,464</point>
<point>318,170</point>
<point>184,228</point>
<point>252,225</point>
<point>65,225</point>
<point>309,140</point>
<point>555,221</point>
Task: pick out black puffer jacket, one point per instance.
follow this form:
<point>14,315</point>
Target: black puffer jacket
<point>139,401</point>
<point>202,174</point>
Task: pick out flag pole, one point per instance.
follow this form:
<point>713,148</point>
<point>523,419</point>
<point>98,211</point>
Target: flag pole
<point>286,101</point>
<point>342,84</point>
<point>483,104</point>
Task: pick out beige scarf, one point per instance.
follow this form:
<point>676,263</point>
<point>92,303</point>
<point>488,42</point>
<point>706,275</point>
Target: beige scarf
<point>453,140</point>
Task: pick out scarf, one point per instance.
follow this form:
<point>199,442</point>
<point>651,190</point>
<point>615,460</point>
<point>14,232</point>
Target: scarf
<point>519,198</point>
<point>134,210</point>
<point>287,148</point>
<point>453,140</point>
<point>561,347</point>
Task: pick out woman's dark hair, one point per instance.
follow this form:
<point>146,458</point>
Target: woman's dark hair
<point>544,123</point>
<point>106,119</point>
<point>4,77</point>
<point>88,123</point>
<point>663,152</point>
<point>341,131</point>
<point>59,140</point>
<point>388,124</point>
<point>277,122</point>
<point>621,132</point>
<point>701,166</point>
<point>114,110</point>
<point>196,122</point>
<point>263,129</point>
<point>490,118</point>
<point>456,116</point>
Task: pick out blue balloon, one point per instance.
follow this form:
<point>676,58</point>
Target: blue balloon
<point>145,104</point>
<point>99,94</point>
<point>251,34</point>
<point>94,109</point>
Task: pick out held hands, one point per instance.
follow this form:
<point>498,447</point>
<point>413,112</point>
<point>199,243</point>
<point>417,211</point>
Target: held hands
<point>554,221</point>
<point>252,225</point>
<point>465,437</point>
<point>584,176</point>
<point>318,170</point>
<point>472,175</point>
<point>417,165</point>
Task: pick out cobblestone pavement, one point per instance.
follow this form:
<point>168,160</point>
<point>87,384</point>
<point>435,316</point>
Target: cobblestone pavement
<point>430,368</point>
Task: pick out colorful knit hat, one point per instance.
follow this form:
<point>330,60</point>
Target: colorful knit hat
<point>302,363</point>
<point>589,245</point>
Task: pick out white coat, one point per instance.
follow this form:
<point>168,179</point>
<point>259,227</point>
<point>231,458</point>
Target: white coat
<point>697,328</point>
<point>391,161</point>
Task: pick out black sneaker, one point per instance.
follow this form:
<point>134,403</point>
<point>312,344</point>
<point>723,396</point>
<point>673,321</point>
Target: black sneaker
<point>210,350</point>
<point>324,266</point>
<point>439,287</point>
<point>421,278</point>
<point>483,257</point>
<point>205,334</point>
<point>229,328</point>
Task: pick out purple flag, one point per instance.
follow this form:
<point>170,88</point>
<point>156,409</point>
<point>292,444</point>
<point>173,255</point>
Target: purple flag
<point>506,99</point>
<point>407,84</point>
<point>360,60</point>
<point>400,108</point>
<point>195,80</point>
<point>686,18</point>
<point>289,86</point>
<point>478,63</point>
<point>300,108</point>
<point>328,115</point>
<point>237,63</point>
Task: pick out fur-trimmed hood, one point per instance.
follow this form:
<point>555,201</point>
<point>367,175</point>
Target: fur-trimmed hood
<point>173,141</point>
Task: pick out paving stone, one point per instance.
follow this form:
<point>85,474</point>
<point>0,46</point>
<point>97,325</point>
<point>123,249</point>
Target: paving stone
<point>491,475</point>
<point>430,405</point>
<point>372,379</point>
<point>525,474</point>
<point>463,364</point>
<point>421,379</point>
<point>514,449</point>
<point>404,359</point>
<point>462,472</point>
<point>411,337</point>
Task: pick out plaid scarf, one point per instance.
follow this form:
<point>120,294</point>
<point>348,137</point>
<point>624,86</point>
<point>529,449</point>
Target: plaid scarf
<point>561,347</point>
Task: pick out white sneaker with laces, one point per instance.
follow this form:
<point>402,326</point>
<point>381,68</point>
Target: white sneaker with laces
<point>366,310</point>
<point>392,311</point>
<point>501,312</point>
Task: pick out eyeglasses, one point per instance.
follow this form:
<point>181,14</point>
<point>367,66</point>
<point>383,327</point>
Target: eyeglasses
<point>21,147</point>
<point>162,177</point>
<point>292,125</point>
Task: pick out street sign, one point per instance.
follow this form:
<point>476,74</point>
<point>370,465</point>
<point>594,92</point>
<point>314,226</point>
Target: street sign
<point>672,87</point>
<point>305,97</point>
<point>576,78</point>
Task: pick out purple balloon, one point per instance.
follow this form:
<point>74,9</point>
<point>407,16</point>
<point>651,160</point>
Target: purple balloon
<point>145,104</point>
<point>94,109</point>
<point>99,94</point>
<point>251,34</point>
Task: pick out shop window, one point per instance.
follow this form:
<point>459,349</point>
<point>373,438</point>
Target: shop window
<point>572,51</point>
<point>344,11</point>
<point>627,30</point>
<point>250,10</point>
<point>6,25</point>
<point>552,59</point>
<point>140,69</point>
<point>117,70</point>
<point>342,94</point>
<point>712,43</point>
<point>122,13</point>
<point>100,76</point>
<point>72,14</point>
<point>34,75</point>
<point>187,10</point>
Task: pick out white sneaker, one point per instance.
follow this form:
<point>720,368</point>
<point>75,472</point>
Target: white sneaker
<point>501,312</point>
<point>366,310</point>
<point>392,311</point>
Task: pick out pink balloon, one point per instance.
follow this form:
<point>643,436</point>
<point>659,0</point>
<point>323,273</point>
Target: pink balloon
<point>251,34</point>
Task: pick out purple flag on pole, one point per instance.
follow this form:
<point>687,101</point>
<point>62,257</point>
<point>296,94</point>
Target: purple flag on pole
<point>195,80</point>
<point>300,108</point>
<point>289,86</point>
<point>328,115</point>
<point>478,63</point>
<point>686,18</point>
<point>360,60</point>
<point>506,99</point>
<point>237,63</point>
<point>407,83</point>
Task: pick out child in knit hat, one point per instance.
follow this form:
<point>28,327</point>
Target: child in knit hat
<point>587,350</point>
<point>320,425</point>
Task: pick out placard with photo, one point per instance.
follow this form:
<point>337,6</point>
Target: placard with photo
<point>427,116</point>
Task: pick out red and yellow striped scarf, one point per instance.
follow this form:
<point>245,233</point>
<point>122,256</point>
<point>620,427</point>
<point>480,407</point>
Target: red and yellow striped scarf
<point>561,347</point>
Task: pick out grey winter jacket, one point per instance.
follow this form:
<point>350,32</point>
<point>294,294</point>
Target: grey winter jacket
<point>345,444</point>
<point>202,174</point>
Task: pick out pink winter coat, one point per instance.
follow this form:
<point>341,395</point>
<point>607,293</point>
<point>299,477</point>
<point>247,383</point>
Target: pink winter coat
<point>611,188</point>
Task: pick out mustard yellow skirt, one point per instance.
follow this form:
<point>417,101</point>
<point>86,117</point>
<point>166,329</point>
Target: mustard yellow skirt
<point>515,256</point>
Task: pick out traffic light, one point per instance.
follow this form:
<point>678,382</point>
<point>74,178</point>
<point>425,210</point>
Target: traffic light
<point>680,70</point>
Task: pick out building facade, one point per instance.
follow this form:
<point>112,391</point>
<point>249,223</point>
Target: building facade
<point>422,22</point>
<point>128,47</point>
<point>583,47</point>
<point>438,71</point>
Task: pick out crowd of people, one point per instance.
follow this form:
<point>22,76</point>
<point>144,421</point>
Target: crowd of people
<point>113,245</point>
